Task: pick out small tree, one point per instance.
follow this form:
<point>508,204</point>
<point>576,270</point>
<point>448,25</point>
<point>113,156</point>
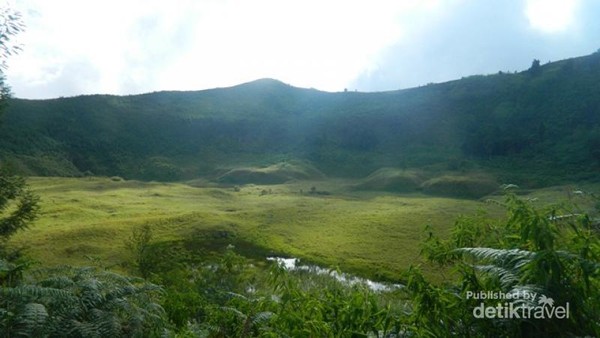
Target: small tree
<point>535,68</point>
<point>18,206</point>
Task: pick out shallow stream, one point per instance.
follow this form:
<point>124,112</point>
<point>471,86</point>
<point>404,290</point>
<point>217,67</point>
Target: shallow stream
<point>294,264</point>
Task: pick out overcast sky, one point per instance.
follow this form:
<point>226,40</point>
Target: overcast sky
<point>73,47</point>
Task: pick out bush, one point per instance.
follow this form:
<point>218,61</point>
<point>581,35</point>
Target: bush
<point>81,302</point>
<point>550,253</point>
<point>160,169</point>
<point>273,174</point>
<point>391,179</point>
<point>18,205</point>
<point>460,186</point>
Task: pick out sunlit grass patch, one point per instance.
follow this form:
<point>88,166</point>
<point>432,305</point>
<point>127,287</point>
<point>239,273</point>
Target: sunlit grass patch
<point>94,216</point>
<point>373,234</point>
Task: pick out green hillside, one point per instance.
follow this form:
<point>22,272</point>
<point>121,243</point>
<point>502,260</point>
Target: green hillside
<point>537,127</point>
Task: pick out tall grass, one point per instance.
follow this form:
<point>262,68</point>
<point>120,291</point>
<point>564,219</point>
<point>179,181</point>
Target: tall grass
<point>88,220</point>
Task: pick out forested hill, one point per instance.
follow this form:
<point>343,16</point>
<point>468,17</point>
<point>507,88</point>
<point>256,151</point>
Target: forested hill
<point>538,126</point>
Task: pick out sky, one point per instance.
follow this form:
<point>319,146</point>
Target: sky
<point>76,47</point>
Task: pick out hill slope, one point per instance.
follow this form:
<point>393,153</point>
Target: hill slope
<point>537,127</point>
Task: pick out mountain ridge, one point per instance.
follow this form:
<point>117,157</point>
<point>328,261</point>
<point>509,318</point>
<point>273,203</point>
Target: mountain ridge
<point>537,126</point>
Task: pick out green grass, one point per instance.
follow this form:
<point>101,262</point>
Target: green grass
<point>85,221</point>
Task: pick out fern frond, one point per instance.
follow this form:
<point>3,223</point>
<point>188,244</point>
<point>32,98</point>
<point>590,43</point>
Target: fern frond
<point>58,282</point>
<point>236,295</point>
<point>86,302</point>
<point>498,256</point>
<point>526,289</point>
<point>35,292</point>
<point>262,317</point>
<point>31,318</point>
<point>506,277</point>
<point>235,311</point>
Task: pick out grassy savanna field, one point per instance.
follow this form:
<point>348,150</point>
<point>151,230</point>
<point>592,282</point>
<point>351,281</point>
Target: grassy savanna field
<point>86,221</point>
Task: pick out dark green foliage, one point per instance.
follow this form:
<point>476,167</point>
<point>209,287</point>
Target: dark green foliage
<point>299,305</point>
<point>18,206</point>
<point>532,251</point>
<point>81,302</point>
<point>538,129</point>
<point>552,252</point>
<point>535,68</point>
<point>230,297</point>
<point>159,168</point>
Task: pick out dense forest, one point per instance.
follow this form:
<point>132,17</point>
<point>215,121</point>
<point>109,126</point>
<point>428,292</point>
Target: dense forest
<point>536,127</point>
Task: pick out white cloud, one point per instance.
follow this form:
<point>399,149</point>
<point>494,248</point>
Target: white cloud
<point>551,16</point>
<point>152,45</point>
<point>308,43</point>
<point>469,37</point>
<point>138,45</point>
<point>76,47</point>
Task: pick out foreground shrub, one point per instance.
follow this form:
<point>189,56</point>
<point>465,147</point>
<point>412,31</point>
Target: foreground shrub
<point>547,259</point>
<point>80,302</point>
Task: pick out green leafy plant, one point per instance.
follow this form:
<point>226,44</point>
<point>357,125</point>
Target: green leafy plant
<point>18,205</point>
<point>81,302</point>
<point>552,252</point>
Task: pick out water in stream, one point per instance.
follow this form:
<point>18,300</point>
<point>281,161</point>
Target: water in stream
<point>294,264</point>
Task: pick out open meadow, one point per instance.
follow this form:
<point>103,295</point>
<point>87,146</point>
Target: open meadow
<point>86,221</point>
